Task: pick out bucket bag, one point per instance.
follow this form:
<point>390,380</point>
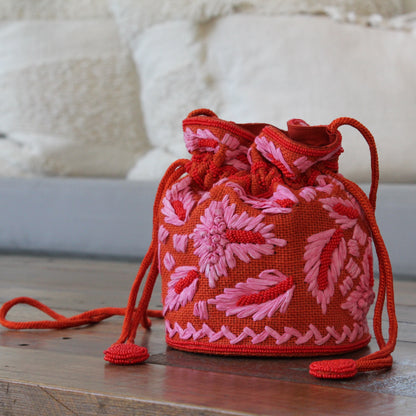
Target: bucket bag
<point>263,248</point>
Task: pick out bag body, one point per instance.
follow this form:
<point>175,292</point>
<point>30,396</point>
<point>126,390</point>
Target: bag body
<point>264,250</point>
<point>261,251</point>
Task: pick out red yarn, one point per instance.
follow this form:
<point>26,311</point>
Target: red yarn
<point>186,281</point>
<point>347,211</point>
<point>242,236</point>
<point>335,369</point>
<point>267,294</point>
<point>326,258</point>
<point>126,354</point>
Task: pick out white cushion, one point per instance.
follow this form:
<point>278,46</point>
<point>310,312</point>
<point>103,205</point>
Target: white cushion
<point>70,98</point>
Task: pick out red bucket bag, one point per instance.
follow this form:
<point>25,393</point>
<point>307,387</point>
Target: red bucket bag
<point>264,250</point>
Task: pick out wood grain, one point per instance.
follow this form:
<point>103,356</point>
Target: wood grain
<point>63,373</point>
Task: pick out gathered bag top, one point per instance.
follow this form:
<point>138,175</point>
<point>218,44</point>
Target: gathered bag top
<point>263,248</point>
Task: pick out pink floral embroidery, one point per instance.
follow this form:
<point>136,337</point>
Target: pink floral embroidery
<point>169,261</point>
<point>201,310</point>
<point>178,202</point>
<point>182,286</point>
<point>234,152</point>
<point>368,263</point>
<point>274,155</point>
<point>281,202</point>
<point>303,163</point>
<point>353,271</point>
<point>353,248</point>
<point>359,238</point>
<point>223,235</point>
<point>204,195</point>
<point>324,184</point>
<point>359,235</point>
<point>345,212</point>
<point>180,242</point>
<point>352,268</point>
<point>359,301</point>
<point>325,255</point>
<point>163,234</point>
<point>261,297</point>
<point>205,141</point>
<point>308,193</point>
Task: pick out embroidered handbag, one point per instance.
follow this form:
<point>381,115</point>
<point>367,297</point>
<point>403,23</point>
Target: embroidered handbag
<point>264,250</point>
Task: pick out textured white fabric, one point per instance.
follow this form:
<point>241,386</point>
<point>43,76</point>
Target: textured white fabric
<point>70,80</point>
<point>250,66</point>
<point>73,104</point>
<point>318,70</point>
<point>53,9</point>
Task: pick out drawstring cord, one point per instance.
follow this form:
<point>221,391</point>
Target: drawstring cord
<point>124,350</point>
<point>133,316</point>
<point>345,368</point>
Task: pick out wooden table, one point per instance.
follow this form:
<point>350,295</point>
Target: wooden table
<point>63,372</point>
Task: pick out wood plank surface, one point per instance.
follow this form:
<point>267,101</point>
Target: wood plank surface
<point>63,372</point>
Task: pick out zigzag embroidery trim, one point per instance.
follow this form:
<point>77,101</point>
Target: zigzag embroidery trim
<point>356,333</point>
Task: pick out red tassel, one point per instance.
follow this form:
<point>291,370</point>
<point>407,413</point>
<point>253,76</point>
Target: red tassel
<point>126,354</point>
<point>335,369</point>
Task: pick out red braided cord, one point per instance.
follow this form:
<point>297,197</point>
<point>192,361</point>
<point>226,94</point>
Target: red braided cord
<point>134,317</point>
<point>380,359</point>
<point>60,321</point>
<point>334,126</point>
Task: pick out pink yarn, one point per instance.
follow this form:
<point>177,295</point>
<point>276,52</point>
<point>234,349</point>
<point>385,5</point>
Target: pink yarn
<point>312,257</point>
<point>228,301</point>
<point>179,193</point>
<point>174,300</point>
<point>216,252</point>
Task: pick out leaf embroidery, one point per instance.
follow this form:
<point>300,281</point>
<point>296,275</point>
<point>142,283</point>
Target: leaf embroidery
<point>324,257</point>
<point>178,203</point>
<point>271,292</point>
<point>182,286</point>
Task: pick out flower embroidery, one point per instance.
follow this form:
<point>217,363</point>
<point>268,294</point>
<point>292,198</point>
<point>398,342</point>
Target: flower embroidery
<point>345,212</point>
<point>201,310</point>
<point>324,184</point>
<point>169,261</point>
<point>325,255</point>
<point>178,202</point>
<point>359,301</point>
<point>205,141</point>
<point>222,235</point>
<point>304,163</point>
<point>274,155</point>
<point>180,242</point>
<point>353,271</point>
<point>261,297</point>
<point>182,286</point>
<point>163,234</point>
<point>281,202</point>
